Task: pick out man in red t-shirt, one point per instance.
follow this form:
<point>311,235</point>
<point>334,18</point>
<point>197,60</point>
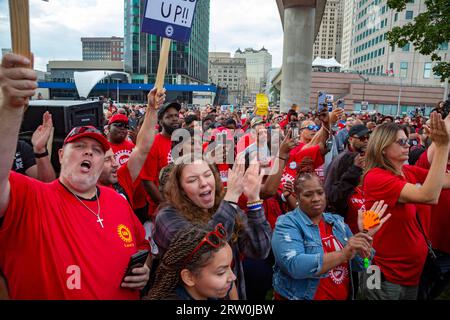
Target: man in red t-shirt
<point>160,154</point>
<point>117,137</point>
<point>125,179</point>
<point>77,236</point>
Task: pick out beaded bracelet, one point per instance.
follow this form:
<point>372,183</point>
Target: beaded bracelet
<point>254,202</point>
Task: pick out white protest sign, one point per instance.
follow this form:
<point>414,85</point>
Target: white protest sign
<point>169,18</point>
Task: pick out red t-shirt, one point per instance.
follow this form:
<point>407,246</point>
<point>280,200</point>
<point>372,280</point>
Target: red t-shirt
<point>122,151</point>
<point>283,123</point>
<point>160,155</point>
<point>54,248</point>
<point>272,210</point>
<point>400,247</point>
<point>290,172</point>
<point>440,217</point>
<point>354,202</point>
<point>223,172</point>
<point>337,285</point>
<point>294,151</point>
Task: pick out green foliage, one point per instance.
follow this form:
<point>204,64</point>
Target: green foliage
<point>429,29</point>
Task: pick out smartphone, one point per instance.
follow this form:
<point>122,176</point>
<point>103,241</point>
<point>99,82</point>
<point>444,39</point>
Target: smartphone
<point>137,260</point>
<point>321,99</point>
<point>341,104</point>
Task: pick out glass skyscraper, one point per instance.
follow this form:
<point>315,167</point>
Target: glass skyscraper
<point>188,63</point>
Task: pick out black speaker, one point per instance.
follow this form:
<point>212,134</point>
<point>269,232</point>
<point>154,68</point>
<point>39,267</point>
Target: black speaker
<point>66,115</point>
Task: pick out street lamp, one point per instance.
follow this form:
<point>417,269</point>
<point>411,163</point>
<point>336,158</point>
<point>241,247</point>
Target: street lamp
<point>117,89</point>
<point>399,96</point>
<point>364,88</point>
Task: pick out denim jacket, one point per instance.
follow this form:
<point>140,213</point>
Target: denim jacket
<point>297,247</point>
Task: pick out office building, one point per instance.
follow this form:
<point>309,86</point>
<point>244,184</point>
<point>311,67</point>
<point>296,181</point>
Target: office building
<point>347,32</point>
<point>229,72</point>
<point>371,53</point>
<point>328,42</point>
<point>259,63</point>
<point>102,49</point>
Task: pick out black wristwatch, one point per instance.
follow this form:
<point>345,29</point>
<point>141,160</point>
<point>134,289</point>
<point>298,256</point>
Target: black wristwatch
<point>41,155</point>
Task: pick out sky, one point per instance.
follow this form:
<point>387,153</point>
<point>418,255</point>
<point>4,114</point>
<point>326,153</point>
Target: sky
<point>57,26</point>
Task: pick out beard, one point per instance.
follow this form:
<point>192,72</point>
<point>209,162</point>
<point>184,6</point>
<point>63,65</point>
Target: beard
<point>170,129</point>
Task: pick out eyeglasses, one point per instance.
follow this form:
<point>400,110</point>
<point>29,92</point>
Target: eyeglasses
<point>402,142</point>
<point>85,129</point>
<point>212,238</point>
<point>120,125</point>
<point>311,127</point>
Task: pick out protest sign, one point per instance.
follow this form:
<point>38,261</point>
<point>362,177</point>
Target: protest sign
<point>170,19</point>
<point>262,104</point>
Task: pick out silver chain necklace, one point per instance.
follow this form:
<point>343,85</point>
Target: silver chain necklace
<point>100,220</point>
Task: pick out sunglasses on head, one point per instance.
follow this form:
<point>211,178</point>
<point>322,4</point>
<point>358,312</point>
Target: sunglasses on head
<point>85,129</point>
<point>402,142</point>
<point>120,125</point>
<point>211,238</point>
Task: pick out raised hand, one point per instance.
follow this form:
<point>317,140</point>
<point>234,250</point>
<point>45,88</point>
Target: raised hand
<point>287,145</point>
<point>235,182</point>
<point>288,188</point>
<point>379,208</point>
<point>360,161</point>
<point>17,81</point>
<point>156,99</point>
<point>253,182</point>
<point>42,134</point>
<point>438,131</point>
<point>335,115</point>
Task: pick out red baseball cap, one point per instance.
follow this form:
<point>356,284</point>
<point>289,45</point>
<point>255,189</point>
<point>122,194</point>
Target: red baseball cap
<point>118,117</point>
<point>88,132</point>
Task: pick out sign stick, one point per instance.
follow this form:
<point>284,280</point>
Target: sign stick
<point>19,13</point>
<point>163,58</point>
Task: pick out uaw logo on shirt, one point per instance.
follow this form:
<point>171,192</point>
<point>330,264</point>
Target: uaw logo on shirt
<point>124,233</point>
<point>122,156</point>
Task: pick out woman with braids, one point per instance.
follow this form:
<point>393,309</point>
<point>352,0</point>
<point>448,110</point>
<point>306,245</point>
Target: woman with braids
<point>196,266</point>
<point>194,195</point>
<point>314,251</point>
<point>401,246</point>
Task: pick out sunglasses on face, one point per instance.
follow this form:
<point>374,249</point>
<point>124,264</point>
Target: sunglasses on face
<point>120,125</point>
<point>402,142</point>
<point>211,238</point>
<point>362,139</point>
<point>312,127</point>
<point>86,129</point>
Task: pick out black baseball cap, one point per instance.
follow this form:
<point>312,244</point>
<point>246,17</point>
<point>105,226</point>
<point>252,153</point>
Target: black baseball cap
<point>167,106</point>
<point>358,130</point>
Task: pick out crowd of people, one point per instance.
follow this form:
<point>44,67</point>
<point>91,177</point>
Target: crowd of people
<point>228,205</point>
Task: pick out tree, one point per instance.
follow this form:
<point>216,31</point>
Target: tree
<point>429,30</point>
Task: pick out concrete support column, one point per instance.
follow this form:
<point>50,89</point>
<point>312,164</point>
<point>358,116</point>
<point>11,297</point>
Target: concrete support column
<point>297,57</point>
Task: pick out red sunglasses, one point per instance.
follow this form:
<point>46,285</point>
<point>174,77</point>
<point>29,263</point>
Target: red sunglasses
<point>212,238</point>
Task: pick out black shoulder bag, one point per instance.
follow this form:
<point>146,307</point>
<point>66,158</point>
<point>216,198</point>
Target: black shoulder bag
<point>431,273</point>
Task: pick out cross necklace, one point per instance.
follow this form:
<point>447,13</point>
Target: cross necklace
<point>100,220</point>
